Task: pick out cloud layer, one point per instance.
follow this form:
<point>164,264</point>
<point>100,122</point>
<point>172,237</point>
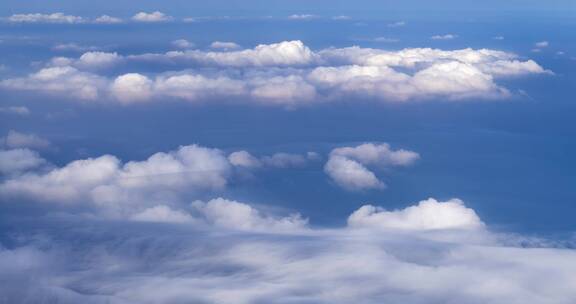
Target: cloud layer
<point>288,74</point>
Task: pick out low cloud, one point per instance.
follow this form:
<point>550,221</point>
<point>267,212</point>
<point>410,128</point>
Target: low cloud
<point>224,45</point>
<point>45,18</point>
<point>18,110</point>
<point>19,160</point>
<point>16,139</point>
<point>287,74</point>
<point>444,37</point>
<point>348,166</point>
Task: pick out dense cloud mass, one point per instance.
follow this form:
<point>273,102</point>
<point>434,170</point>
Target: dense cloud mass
<point>229,251</point>
<point>288,74</point>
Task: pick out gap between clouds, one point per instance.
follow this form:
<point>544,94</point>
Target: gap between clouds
<point>287,74</point>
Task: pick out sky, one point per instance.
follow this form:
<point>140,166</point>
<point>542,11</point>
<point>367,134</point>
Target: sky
<point>287,152</point>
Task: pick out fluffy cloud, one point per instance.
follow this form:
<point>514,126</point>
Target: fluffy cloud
<point>287,74</point>
<point>45,18</point>
<point>16,139</point>
<point>19,160</point>
<point>541,44</point>
<point>302,17</point>
<point>347,166</point>
<point>162,214</point>
<point>73,47</point>
<point>240,216</point>
<point>427,215</point>
<point>151,17</point>
<point>118,189</point>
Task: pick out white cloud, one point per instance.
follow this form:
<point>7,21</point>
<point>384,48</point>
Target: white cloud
<point>16,139</point>
<point>224,45</point>
<point>236,215</point>
<point>244,159</point>
<point>498,37</point>
<point>18,110</point>
<point>162,214</point>
<point>385,40</point>
<point>351,175</point>
<point>105,19</point>
<point>151,17</point>
<point>444,37</point>
<point>429,214</point>
<point>45,18</point>
<point>18,160</point>
<point>541,44</point>
<point>287,74</point>
<point>132,87</point>
<point>117,189</point>
<point>183,44</point>
<point>341,17</point>
<point>347,166</point>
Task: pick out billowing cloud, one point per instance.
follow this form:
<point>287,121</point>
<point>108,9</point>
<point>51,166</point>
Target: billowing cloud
<point>155,16</point>
<point>427,215</point>
<point>240,216</point>
<point>348,166</point>
<point>287,74</point>
<point>16,139</point>
<point>244,159</point>
<point>19,160</point>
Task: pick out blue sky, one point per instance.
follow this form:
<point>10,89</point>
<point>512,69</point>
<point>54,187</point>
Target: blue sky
<point>182,152</point>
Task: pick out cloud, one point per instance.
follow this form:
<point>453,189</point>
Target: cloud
<point>541,44</point>
<point>162,214</point>
<point>16,139</point>
<point>444,37</point>
<point>341,17</point>
<point>45,18</point>
<point>240,216</point>
<point>287,74</point>
<point>19,160</point>
<point>116,189</point>
<point>252,257</point>
<point>224,45</point>
<point>277,160</point>
<point>498,37</point>
<point>74,47</point>
<point>427,215</point>
<point>183,44</point>
<point>347,166</point>
<point>151,17</point>
<point>105,19</point>
<point>18,110</point>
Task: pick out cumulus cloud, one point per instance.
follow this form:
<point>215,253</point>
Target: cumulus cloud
<point>240,216</point>
<point>162,214</point>
<point>224,45</point>
<point>73,47</point>
<point>45,18</point>
<point>427,215</point>
<point>302,17</point>
<point>287,74</point>
<point>16,139</point>
<point>19,160</point>
<point>444,37</point>
<point>347,166</point>
<point>119,189</point>
<point>541,44</point>
<point>151,17</point>
<point>18,110</point>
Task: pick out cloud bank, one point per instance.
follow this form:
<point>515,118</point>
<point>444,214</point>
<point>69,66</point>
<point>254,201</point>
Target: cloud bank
<point>287,74</point>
